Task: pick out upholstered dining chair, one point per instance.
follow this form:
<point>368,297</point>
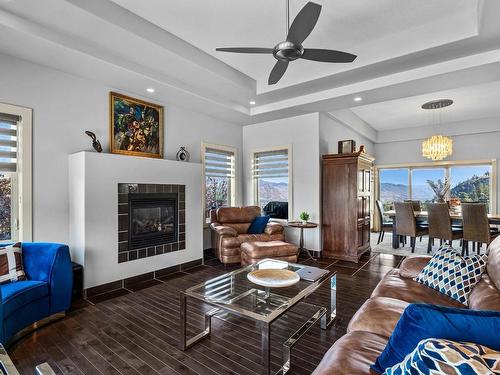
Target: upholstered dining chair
<point>440,226</point>
<point>415,204</point>
<point>384,224</point>
<point>476,226</point>
<point>406,224</point>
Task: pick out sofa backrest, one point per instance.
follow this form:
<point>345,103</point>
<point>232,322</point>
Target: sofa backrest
<point>493,267</point>
<point>238,218</point>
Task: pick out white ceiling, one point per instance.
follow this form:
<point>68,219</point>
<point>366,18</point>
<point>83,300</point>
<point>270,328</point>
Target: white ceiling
<point>471,102</point>
<point>409,51</point>
<point>374,30</point>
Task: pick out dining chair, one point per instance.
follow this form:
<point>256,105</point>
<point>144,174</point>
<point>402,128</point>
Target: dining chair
<point>440,225</point>
<point>476,226</point>
<point>384,224</point>
<point>417,206</point>
<point>406,224</point>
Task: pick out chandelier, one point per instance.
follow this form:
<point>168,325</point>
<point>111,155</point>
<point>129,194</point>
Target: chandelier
<point>437,147</point>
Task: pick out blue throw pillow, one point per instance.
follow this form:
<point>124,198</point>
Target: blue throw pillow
<point>438,356</point>
<point>422,321</point>
<point>258,225</point>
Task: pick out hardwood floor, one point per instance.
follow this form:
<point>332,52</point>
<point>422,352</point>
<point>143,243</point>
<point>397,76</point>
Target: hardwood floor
<point>135,331</point>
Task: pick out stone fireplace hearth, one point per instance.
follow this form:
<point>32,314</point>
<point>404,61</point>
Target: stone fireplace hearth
<point>151,220</point>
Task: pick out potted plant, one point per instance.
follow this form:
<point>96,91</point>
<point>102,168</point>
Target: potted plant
<point>304,216</point>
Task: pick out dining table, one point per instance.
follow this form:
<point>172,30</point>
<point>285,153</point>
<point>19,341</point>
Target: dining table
<point>456,217</point>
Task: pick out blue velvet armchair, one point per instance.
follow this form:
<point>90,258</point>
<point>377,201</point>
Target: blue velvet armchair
<point>46,292</point>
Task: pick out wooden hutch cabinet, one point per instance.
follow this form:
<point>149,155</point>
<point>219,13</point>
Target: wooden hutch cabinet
<point>346,197</point>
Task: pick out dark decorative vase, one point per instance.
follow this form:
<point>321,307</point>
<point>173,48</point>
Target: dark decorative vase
<point>182,155</point>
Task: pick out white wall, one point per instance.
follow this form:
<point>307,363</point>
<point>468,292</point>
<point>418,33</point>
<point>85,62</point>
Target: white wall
<point>64,106</point>
<point>302,133</point>
<point>331,131</point>
<point>465,147</point>
<point>93,189</point>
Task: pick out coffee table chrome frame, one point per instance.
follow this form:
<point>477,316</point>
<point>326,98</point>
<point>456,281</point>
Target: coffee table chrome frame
<point>325,314</point>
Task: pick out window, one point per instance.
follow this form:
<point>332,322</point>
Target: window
<point>15,173</point>
<point>393,186</point>
<point>271,180</point>
<point>420,189</point>
<point>469,181</point>
<point>219,166</point>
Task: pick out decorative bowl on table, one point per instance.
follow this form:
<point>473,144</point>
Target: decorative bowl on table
<point>273,278</point>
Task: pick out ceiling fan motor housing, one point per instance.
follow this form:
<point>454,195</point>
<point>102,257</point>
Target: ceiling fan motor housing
<point>288,51</point>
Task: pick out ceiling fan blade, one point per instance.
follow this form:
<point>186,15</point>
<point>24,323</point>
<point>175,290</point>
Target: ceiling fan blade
<point>304,23</point>
<point>328,55</point>
<point>277,72</point>
<point>245,50</point>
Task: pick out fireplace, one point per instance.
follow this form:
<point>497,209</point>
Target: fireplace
<point>153,219</point>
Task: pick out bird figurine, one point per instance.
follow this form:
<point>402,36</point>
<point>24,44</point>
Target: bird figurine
<point>95,143</point>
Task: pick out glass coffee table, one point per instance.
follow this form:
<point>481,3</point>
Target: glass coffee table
<point>234,293</point>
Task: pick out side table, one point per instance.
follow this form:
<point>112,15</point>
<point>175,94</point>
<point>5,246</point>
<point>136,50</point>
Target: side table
<point>302,226</point>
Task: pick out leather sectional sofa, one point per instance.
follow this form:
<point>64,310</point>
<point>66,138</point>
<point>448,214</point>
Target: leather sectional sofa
<point>371,326</point>
<point>229,227</point>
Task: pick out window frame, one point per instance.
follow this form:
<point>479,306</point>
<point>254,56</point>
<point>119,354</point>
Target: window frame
<point>255,198</point>
<point>234,180</point>
<point>22,206</point>
<point>447,165</point>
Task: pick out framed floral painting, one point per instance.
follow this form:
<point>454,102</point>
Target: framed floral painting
<point>136,127</point>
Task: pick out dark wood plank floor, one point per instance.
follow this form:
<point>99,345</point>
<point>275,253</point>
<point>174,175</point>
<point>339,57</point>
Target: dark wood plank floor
<point>135,331</point>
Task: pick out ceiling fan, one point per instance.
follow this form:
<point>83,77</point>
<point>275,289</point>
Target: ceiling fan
<point>292,49</point>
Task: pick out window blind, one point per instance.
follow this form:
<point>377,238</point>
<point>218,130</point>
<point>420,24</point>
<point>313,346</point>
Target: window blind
<point>8,142</point>
<point>271,164</point>
<point>219,163</point>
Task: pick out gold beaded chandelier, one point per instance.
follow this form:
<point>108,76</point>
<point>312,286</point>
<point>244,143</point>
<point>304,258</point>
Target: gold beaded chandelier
<point>437,147</point>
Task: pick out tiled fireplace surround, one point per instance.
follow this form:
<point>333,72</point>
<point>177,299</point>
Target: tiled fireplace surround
<point>124,253</point>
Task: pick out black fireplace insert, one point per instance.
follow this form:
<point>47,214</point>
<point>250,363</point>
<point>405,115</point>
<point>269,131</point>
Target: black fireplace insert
<point>153,219</point>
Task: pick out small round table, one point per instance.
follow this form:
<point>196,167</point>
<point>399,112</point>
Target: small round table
<point>308,225</point>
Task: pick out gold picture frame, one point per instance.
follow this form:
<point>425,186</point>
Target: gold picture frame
<point>135,127</point>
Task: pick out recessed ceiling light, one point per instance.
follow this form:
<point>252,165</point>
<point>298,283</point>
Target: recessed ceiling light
<point>252,102</point>
<point>358,99</point>
<point>150,89</point>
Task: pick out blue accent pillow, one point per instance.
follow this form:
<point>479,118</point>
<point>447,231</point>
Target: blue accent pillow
<point>258,225</point>
<point>438,356</point>
<point>422,321</point>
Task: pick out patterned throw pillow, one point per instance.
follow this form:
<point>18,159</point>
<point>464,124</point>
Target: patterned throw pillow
<point>451,274</point>
<point>11,264</point>
<point>437,356</point>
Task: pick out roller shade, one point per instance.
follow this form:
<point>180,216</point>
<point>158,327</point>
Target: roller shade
<point>219,163</point>
<point>271,164</point>
<point>8,142</point>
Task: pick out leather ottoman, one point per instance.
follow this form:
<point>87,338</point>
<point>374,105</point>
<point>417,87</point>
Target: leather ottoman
<point>253,252</point>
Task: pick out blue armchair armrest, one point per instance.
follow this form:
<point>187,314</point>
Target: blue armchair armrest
<point>51,263</point>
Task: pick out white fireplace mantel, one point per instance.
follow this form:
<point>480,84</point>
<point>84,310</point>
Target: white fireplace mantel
<point>93,194</point>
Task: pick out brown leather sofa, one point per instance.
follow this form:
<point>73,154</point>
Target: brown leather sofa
<point>229,226</point>
<point>371,326</point>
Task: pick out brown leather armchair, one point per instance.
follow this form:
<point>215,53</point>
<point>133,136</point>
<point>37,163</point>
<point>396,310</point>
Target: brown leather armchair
<point>229,226</point>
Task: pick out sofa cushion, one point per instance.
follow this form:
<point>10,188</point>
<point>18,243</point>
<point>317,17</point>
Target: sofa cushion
<point>269,249</point>
<point>485,295</point>
<point>16,295</point>
<point>258,225</point>
<point>352,354</point>
<point>438,356</point>
<point>394,286</point>
<point>378,315</point>
<point>423,321</point>
<point>11,264</point>
<point>452,274</point>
